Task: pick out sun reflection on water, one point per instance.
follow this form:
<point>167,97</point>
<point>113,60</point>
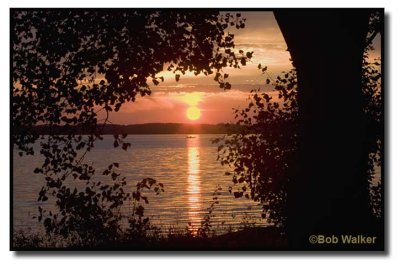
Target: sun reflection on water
<point>193,188</point>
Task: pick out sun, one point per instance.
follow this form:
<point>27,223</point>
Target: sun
<point>193,113</point>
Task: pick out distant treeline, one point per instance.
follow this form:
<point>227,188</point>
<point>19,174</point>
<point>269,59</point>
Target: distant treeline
<point>150,128</point>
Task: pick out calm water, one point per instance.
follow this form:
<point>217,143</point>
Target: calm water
<point>186,166</point>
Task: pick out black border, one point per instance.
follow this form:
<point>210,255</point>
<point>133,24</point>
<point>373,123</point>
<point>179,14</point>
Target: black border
<point>206,251</point>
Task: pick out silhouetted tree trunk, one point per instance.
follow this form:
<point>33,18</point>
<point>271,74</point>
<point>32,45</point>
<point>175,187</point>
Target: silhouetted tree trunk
<point>329,193</point>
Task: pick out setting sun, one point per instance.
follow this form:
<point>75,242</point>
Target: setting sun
<point>193,113</point>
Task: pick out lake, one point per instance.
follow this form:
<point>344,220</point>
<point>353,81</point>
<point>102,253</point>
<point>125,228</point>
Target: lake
<point>187,167</point>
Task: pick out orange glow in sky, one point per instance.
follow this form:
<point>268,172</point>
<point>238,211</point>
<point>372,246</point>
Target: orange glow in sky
<point>198,99</point>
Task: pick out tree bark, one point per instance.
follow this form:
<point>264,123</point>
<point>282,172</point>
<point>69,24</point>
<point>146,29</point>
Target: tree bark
<point>329,193</point>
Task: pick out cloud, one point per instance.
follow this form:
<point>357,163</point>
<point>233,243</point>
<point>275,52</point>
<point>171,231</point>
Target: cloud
<point>269,46</point>
<point>250,84</point>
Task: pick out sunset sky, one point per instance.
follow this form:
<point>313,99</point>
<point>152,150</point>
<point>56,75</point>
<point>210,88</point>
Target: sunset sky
<point>198,99</point>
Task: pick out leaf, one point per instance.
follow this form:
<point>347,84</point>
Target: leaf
<point>47,223</point>
<point>249,55</point>
<point>38,170</point>
<point>125,146</point>
<point>237,194</point>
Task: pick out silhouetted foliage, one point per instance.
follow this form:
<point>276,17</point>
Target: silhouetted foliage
<point>94,215</point>
<point>330,193</point>
<point>262,155</point>
<point>72,68</point>
<point>373,108</point>
<point>206,224</point>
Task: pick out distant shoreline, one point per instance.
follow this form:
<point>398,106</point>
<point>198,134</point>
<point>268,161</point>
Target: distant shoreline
<point>142,129</point>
